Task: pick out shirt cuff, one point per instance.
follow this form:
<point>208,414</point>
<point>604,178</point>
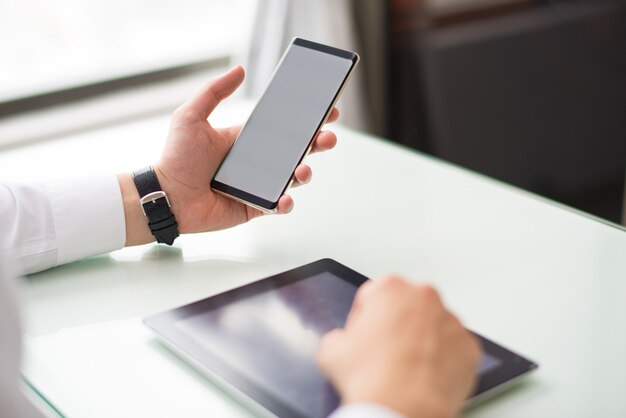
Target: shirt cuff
<point>365,410</point>
<point>88,214</point>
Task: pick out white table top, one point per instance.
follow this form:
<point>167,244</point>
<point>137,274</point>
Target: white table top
<point>539,278</point>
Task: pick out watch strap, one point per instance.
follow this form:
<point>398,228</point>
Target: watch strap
<point>155,206</point>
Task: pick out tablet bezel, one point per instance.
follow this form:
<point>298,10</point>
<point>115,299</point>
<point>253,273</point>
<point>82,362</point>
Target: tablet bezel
<point>512,365</point>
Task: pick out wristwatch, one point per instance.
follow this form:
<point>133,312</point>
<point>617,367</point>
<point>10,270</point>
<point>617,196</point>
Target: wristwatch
<point>156,206</point>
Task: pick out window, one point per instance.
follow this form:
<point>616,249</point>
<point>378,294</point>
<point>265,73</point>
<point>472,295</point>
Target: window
<point>50,46</point>
<point>69,65</point>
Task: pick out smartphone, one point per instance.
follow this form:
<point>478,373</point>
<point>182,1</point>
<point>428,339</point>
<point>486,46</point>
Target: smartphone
<point>280,130</point>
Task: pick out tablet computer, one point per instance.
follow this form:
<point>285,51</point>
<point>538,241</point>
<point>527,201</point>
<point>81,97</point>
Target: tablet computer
<point>259,341</point>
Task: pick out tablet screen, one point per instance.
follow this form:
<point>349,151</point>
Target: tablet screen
<point>270,338</point>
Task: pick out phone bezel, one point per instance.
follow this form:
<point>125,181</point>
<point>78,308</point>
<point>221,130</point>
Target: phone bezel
<point>253,200</point>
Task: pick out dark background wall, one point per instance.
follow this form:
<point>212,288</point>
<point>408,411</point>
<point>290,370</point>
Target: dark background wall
<point>532,93</point>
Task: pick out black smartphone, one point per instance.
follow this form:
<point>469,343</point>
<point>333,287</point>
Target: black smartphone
<point>280,130</point>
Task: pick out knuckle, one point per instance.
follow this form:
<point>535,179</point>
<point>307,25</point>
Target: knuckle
<point>391,281</point>
<point>388,286</point>
<point>428,294</point>
<point>184,114</point>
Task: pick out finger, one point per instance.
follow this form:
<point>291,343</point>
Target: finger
<point>334,115</point>
<point>363,293</point>
<point>214,92</point>
<point>356,308</point>
<point>327,350</point>
<point>302,175</point>
<point>285,204</point>
<point>324,141</point>
<point>375,289</point>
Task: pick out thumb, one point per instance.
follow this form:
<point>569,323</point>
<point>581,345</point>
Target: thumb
<point>203,103</point>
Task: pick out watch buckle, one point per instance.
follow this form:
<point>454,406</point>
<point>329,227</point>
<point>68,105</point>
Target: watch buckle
<point>153,197</point>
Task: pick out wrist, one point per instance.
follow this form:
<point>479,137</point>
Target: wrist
<point>365,409</point>
<point>424,405</point>
<point>137,230</point>
<point>169,189</point>
<point>155,205</point>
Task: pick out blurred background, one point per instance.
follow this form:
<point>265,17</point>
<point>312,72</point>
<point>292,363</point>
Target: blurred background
<point>530,92</point>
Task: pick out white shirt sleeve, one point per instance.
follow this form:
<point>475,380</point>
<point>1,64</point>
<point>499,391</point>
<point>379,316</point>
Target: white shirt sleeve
<point>47,224</point>
<point>364,410</point>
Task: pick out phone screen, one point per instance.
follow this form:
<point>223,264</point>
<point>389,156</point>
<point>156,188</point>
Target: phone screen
<point>276,136</point>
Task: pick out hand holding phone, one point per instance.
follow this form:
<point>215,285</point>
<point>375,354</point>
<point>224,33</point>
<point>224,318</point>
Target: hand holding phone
<point>280,131</point>
<point>191,156</point>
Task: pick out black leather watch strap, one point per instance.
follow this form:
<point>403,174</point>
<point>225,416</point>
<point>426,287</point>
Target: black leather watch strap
<point>155,206</point>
